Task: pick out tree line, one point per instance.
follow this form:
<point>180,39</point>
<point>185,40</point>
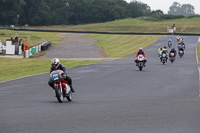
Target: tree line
<point>178,9</point>
<point>71,12</point>
<point>62,12</point>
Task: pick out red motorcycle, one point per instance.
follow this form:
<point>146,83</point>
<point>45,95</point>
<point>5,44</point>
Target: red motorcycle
<point>172,57</point>
<point>140,61</point>
<point>61,86</point>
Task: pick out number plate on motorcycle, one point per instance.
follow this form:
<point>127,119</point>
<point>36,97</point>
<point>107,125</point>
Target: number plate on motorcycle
<point>55,77</point>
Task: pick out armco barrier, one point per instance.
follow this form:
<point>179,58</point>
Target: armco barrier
<point>119,33</point>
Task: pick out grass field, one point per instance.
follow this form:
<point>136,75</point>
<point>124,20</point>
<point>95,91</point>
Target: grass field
<point>36,38</point>
<point>198,51</point>
<point>15,68</point>
<point>122,45</point>
<point>184,25</point>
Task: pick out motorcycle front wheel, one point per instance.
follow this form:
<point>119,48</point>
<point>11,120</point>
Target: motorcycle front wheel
<point>140,66</point>
<point>59,95</point>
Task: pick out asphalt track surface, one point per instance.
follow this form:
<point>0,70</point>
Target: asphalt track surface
<point>75,46</point>
<point>111,97</point>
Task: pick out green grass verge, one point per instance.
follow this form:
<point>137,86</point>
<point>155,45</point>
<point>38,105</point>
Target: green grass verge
<point>36,38</point>
<point>15,68</point>
<point>198,51</point>
<point>135,25</point>
<point>122,45</point>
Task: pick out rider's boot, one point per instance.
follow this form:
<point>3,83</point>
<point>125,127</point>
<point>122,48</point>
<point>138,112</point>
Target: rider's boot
<point>51,85</point>
<point>136,62</point>
<point>145,62</point>
<point>72,88</point>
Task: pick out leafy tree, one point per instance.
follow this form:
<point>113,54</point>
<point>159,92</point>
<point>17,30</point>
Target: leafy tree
<point>10,11</point>
<point>178,9</point>
<point>187,9</point>
<point>137,9</point>
<point>157,12</point>
<point>58,12</point>
<point>37,12</point>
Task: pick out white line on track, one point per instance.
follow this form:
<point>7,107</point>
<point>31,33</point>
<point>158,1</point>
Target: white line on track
<point>198,65</point>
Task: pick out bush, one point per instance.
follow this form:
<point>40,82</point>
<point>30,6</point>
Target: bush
<point>194,16</point>
<point>161,17</point>
<point>166,17</point>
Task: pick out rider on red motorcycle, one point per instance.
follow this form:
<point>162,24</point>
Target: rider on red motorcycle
<point>55,65</point>
<point>138,53</point>
<point>172,51</point>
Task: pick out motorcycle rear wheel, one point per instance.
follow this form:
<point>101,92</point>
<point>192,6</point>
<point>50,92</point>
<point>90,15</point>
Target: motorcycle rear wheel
<point>163,62</point>
<point>69,98</point>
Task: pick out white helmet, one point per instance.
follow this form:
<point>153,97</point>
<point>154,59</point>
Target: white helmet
<point>55,63</point>
<point>169,39</point>
<point>140,49</point>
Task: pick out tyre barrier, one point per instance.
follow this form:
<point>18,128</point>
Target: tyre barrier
<point>45,46</point>
<point>42,47</point>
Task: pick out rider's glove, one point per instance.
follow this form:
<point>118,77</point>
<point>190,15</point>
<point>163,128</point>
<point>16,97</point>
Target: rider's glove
<point>64,75</point>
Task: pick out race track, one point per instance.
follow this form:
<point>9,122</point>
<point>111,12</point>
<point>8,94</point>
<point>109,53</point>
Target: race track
<point>111,97</point>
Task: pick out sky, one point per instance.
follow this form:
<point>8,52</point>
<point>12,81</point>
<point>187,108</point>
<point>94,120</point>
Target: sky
<point>164,5</point>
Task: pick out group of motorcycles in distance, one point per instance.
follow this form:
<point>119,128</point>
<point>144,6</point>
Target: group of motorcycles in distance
<point>164,53</point>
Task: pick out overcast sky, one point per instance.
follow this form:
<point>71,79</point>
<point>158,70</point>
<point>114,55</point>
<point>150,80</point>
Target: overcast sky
<point>165,4</point>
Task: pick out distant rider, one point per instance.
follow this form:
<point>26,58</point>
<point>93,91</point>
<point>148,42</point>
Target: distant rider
<point>182,43</point>
<point>138,53</point>
<point>181,40</point>
<point>165,48</point>
<point>164,51</point>
<point>181,48</point>
<point>173,50</point>
<point>178,38</point>
<point>169,43</point>
<point>160,51</point>
<point>55,65</point>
